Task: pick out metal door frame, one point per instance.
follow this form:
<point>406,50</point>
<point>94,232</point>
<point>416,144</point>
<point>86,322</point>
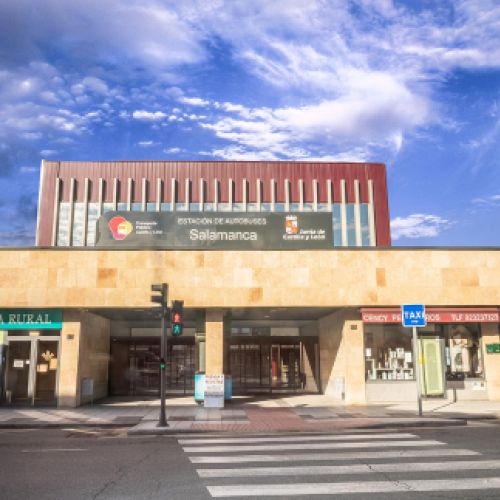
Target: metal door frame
<point>33,340</point>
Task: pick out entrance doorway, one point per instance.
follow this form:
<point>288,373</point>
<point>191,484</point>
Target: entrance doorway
<point>268,365</point>
<point>135,366</point>
<point>32,367</point>
<point>286,366</point>
<point>433,364</point>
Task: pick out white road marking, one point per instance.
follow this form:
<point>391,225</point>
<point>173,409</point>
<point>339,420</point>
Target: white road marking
<point>350,469</point>
<point>336,437</point>
<point>312,446</point>
<point>404,486</point>
<point>51,450</point>
<point>366,455</point>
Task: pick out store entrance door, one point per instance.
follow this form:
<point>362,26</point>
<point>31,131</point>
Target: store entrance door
<point>31,376</point>
<point>285,366</point>
<point>19,387</point>
<point>432,354</point>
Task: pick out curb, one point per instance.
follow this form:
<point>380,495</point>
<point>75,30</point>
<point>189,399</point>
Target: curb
<point>161,431</point>
<point>60,425</point>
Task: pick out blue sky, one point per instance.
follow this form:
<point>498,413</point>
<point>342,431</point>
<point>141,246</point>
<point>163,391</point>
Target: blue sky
<point>415,85</point>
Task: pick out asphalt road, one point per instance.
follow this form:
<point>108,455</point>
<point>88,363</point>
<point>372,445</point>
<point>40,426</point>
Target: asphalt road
<point>389,464</point>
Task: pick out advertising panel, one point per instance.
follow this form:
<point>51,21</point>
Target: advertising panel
<point>215,230</point>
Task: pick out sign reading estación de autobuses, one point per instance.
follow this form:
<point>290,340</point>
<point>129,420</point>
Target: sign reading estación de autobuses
<point>435,315</point>
<point>25,319</point>
<point>215,230</point>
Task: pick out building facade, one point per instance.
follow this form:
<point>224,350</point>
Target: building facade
<point>316,309</point>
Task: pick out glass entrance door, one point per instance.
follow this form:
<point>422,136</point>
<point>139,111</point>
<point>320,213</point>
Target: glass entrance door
<point>32,364</point>
<point>286,366</point>
<point>18,387</point>
<point>432,354</point>
<point>46,370</point>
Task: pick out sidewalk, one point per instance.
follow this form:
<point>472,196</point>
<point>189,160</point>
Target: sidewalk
<point>263,414</point>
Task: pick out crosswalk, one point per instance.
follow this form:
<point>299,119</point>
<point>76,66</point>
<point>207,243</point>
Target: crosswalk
<point>337,464</point>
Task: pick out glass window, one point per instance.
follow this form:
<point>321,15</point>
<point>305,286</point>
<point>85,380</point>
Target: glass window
<point>180,207</point>
<point>323,207</point>
<point>294,207</point>
<point>337,225</point>
<point>279,207</point>
<point>78,219</point>
<point>151,207</point>
<point>463,351</point>
<point>351,225</point>
<point>265,207</point>
<point>165,207</point>
<point>122,207</point>
<point>224,207</point>
<point>308,207</point>
<point>108,207</point>
<point>253,207</point>
<point>365,230</point>
<point>63,225</point>
<point>238,207</point>
<point>92,223</point>
<point>388,352</point>
<point>136,207</point>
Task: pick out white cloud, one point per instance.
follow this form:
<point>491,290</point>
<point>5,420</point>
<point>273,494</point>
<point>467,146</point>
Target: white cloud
<point>149,35</point>
<point>28,170</point>
<point>418,226</point>
<point>147,144</point>
<point>239,153</point>
<point>48,152</point>
<point>148,115</point>
<point>172,150</point>
<point>377,111</point>
<point>194,101</point>
<point>488,200</point>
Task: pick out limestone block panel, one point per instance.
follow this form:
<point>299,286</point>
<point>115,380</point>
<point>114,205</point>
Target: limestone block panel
<point>214,342</point>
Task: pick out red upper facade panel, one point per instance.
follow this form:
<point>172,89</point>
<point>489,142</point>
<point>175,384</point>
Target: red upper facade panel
<point>226,175</point>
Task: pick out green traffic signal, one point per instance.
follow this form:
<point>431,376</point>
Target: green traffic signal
<point>177,314</point>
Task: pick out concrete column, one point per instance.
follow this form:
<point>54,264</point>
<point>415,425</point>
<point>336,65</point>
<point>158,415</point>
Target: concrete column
<point>341,356</point>
<point>355,361</point>
<point>490,335</point>
<point>214,342</point>
<point>84,354</point>
<point>68,388</point>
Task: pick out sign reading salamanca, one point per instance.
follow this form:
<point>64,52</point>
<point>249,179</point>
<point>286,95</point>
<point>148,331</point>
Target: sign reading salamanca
<point>215,230</point>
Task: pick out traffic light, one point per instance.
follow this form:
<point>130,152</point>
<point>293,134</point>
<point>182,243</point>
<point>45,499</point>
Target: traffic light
<point>161,298</point>
<point>177,317</point>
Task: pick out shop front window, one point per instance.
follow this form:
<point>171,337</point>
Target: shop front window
<point>463,351</point>
<point>388,353</point>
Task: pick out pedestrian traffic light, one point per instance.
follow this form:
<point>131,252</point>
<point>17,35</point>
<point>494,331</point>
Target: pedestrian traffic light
<point>177,317</point>
<point>161,297</point>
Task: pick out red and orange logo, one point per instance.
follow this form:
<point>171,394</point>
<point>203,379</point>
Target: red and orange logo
<point>120,227</point>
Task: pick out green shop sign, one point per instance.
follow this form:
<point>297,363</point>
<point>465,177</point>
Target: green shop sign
<point>27,319</point>
<point>493,348</point>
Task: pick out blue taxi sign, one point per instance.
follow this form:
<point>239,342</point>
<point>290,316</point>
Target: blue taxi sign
<point>413,314</point>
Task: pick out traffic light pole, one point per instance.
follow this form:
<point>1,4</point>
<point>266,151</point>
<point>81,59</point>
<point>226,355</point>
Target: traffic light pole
<point>163,355</point>
<point>163,363</point>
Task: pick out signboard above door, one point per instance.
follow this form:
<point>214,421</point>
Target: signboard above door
<point>30,319</point>
<point>215,230</point>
